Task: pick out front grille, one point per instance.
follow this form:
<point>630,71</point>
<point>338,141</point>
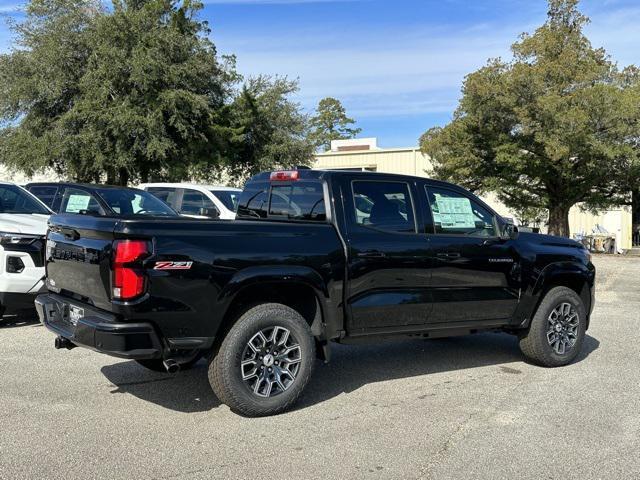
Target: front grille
<point>34,248</point>
<point>37,253</point>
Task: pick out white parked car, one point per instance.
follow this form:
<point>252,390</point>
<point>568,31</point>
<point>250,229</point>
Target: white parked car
<point>23,227</point>
<point>198,201</point>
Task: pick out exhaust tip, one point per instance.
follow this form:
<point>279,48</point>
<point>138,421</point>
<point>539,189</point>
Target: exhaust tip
<point>171,365</point>
<point>61,342</point>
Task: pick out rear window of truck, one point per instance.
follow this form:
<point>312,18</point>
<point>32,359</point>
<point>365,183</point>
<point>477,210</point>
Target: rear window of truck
<point>299,200</point>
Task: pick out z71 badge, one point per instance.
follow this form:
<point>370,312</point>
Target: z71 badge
<point>172,265</point>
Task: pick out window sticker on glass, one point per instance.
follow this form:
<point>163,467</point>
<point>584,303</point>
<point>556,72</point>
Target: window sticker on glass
<point>77,203</point>
<point>453,212</point>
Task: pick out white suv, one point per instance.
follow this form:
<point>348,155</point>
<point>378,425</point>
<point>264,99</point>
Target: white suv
<point>198,201</point>
<point>23,227</point>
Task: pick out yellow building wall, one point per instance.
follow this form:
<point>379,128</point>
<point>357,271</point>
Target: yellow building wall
<point>616,221</point>
<point>11,175</point>
<point>405,161</point>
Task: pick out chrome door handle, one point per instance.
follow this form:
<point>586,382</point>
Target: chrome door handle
<point>448,255</point>
<point>371,254</point>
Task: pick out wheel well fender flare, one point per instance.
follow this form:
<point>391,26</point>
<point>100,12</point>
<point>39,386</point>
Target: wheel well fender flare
<point>569,274</point>
<point>288,275</point>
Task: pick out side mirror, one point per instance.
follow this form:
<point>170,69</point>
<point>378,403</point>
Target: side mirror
<point>209,212</point>
<point>509,232</point>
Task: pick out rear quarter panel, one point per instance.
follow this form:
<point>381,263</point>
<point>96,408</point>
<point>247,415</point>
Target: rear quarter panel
<point>227,256</point>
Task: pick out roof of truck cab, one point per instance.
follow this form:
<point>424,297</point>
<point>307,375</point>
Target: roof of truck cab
<point>321,174</point>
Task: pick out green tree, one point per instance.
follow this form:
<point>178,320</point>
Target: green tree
<point>331,123</point>
<point>544,130</point>
<point>113,94</point>
<point>39,83</point>
<point>629,171</point>
<point>267,129</point>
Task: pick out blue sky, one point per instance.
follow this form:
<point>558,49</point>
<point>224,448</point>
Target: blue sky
<point>397,65</point>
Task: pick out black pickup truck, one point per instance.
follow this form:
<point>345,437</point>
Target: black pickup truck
<point>314,257</point>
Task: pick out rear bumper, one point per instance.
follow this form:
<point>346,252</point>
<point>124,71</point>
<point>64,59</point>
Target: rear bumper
<point>98,330</point>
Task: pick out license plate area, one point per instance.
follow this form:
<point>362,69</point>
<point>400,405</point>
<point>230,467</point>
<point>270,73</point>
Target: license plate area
<point>74,314</point>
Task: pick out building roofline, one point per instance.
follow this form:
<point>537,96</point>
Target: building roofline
<point>367,152</point>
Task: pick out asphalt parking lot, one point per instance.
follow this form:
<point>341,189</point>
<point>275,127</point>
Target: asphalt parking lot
<point>466,407</point>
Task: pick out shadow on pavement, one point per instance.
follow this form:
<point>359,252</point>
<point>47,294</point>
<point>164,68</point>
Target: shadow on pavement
<point>186,391</point>
<point>19,320</point>
<point>354,366</point>
<point>351,367</point>
<point>590,345</point>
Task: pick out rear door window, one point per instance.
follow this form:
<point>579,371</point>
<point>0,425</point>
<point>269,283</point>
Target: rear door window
<point>167,195</point>
<point>196,203</point>
<point>384,206</point>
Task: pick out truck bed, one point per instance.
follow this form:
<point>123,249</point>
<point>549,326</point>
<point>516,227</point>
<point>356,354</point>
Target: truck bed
<point>185,302</point>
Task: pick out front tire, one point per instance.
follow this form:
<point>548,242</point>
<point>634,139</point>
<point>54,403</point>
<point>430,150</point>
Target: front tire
<point>264,362</point>
<point>557,330</point>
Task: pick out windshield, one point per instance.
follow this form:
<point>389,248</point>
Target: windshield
<point>229,198</point>
<point>134,202</point>
<point>14,199</point>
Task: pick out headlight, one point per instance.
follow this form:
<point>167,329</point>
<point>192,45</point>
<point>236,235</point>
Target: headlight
<point>7,238</point>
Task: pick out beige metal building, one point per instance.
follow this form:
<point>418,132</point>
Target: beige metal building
<point>364,154</point>
<point>10,175</point>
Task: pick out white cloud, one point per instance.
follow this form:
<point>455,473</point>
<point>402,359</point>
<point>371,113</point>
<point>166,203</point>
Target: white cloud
<point>385,72</point>
<point>380,74</point>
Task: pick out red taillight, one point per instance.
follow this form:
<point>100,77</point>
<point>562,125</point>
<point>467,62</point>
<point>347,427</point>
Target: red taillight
<point>284,176</point>
<point>128,281</point>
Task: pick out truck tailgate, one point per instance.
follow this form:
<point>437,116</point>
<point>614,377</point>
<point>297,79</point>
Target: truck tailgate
<point>78,257</point>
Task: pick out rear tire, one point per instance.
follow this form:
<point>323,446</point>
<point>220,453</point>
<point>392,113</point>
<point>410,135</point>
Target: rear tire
<point>557,330</point>
<point>264,362</point>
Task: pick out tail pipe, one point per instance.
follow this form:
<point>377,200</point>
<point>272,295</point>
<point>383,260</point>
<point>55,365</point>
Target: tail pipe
<point>62,342</point>
<point>171,365</point>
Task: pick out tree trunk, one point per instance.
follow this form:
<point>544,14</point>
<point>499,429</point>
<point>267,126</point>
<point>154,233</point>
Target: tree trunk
<point>635,216</point>
<point>559,221</point>
<point>123,178</point>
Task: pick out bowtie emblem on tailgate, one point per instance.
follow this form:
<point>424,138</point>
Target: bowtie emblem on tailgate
<point>172,265</point>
